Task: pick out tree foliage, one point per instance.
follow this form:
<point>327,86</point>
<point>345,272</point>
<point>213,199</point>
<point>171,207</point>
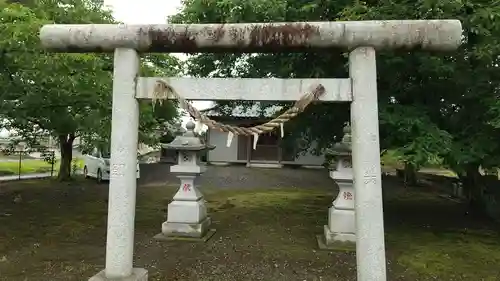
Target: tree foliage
<point>65,95</point>
<point>431,105</point>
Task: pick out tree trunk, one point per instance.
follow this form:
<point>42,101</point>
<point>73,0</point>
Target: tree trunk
<point>410,175</point>
<point>66,147</point>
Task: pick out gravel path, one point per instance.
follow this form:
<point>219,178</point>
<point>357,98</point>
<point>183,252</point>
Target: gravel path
<point>241,177</point>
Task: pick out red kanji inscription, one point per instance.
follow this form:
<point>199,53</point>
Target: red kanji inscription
<point>347,195</point>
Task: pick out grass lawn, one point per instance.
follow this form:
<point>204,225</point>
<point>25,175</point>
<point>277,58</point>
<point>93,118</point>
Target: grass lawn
<point>391,160</point>
<point>31,166</point>
<point>53,231</point>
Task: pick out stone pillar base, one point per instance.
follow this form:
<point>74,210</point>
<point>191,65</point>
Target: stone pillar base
<point>197,232</point>
<point>138,274</point>
<point>186,229</point>
<point>341,220</point>
<point>331,237</point>
<point>336,240</point>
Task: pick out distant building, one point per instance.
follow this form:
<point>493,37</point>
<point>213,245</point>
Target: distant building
<point>269,151</point>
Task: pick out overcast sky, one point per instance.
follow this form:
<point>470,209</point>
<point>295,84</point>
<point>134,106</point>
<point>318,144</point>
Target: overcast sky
<point>143,11</point>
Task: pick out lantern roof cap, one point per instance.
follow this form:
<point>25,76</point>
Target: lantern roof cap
<point>188,141</point>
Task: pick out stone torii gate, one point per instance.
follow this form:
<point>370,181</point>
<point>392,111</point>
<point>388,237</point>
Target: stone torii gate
<point>361,38</point>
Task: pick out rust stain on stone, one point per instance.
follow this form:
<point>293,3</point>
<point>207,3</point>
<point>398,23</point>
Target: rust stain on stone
<point>169,39</point>
<point>219,33</point>
<point>275,36</point>
<point>182,40</point>
<point>237,36</point>
<point>270,37</point>
<point>212,34</point>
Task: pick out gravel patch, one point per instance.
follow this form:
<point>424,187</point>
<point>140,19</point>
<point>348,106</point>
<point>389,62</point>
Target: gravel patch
<point>241,177</point>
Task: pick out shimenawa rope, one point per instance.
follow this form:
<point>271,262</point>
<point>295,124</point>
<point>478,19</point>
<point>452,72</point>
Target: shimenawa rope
<point>163,90</point>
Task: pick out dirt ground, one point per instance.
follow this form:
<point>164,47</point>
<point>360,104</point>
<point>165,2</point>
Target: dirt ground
<point>266,221</point>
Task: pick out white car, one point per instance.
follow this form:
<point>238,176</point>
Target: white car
<point>96,165</point>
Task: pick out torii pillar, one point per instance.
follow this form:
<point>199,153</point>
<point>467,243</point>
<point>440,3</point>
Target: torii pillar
<point>361,38</point>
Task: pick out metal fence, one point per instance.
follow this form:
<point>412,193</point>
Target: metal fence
<point>25,164</point>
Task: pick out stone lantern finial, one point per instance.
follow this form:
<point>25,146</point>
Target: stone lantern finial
<point>346,139</point>
<point>343,148</point>
<point>190,125</point>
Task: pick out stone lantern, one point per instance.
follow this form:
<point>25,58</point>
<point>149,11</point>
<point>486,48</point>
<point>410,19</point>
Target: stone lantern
<point>340,233</point>
<point>187,214</point>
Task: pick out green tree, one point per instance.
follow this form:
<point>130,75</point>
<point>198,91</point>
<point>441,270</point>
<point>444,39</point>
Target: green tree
<point>431,105</point>
<point>66,95</point>
<point>454,96</point>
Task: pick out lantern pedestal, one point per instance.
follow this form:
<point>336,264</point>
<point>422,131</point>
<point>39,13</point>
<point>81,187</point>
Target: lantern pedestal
<point>187,217</point>
<point>187,214</point>
<point>341,229</point>
<point>340,233</point>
